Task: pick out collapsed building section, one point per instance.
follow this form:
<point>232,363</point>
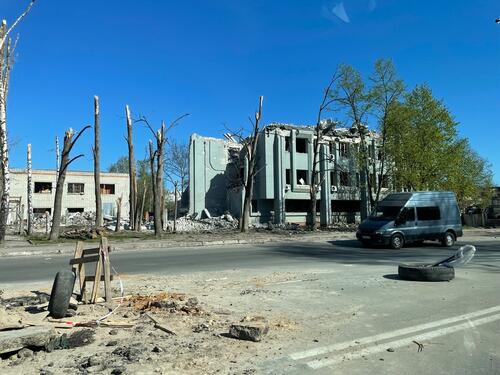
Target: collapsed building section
<point>284,166</point>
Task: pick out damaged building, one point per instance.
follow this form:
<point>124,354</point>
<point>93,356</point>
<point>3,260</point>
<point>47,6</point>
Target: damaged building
<point>284,164</point>
<point>78,194</point>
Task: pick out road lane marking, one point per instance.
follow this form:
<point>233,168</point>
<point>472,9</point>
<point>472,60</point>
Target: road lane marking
<point>390,335</point>
<point>316,364</point>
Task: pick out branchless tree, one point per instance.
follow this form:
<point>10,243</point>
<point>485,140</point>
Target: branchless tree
<point>156,160</point>
<point>97,164</point>
<point>7,48</point>
<point>134,218</point>
<point>250,153</point>
<point>29,192</point>
<point>69,142</point>
<point>320,130</point>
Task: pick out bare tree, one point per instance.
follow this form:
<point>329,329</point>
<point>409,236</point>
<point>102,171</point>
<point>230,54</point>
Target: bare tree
<point>156,160</point>
<point>29,192</point>
<point>177,163</point>
<point>250,152</point>
<point>7,48</point>
<point>133,218</point>
<point>320,130</point>
<point>68,144</point>
<point>97,164</point>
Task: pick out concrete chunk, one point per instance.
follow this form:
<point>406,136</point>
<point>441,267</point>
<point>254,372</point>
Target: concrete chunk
<point>251,331</point>
<point>20,338</point>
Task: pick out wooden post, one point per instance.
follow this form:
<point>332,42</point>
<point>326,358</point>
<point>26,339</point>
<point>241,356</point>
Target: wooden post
<point>107,269</point>
<point>79,270</point>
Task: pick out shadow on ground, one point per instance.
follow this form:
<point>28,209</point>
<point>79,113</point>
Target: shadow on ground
<point>487,255</point>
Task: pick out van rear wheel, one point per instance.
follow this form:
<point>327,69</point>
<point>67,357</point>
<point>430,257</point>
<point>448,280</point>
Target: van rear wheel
<point>397,241</point>
<point>448,239</point>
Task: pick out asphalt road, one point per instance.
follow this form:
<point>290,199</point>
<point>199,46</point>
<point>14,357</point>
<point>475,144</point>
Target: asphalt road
<point>356,316</point>
<point>275,256</point>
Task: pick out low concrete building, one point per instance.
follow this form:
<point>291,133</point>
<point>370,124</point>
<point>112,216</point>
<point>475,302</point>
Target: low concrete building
<point>78,194</point>
<point>284,165</point>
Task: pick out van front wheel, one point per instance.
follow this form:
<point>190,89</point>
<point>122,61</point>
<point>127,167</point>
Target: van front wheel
<point>397,241</point>
<point>448,239</point>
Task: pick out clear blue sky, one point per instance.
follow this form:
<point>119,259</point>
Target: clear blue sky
<point>213,59</point>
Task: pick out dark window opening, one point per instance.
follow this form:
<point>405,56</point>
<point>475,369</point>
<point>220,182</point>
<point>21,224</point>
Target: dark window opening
<point>43,187</point>
<point>333,179</point>
<point>428,213</point>
<point>344,149</point>
<point>254,206</point>
<point>288,177</point>
<point>40,212</point>
<point>301,145</point>
<point>346,206</point>
<point>300,205</point>
<point>408,214</point>
<point>76,188</point>
<point>344,179</point>
<point>107,188</point>
<point>287,143</point>
<point>331,148</point>
<point>75,209</point>
<point>302,177</point>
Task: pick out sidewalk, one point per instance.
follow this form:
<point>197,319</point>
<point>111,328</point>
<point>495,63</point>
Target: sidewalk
<point>18,246</point>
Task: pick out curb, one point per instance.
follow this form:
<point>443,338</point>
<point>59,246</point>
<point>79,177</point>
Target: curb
<point>131,246</point>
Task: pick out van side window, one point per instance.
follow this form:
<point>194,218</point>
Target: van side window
<point>410,213</point>
<point>428,213</point>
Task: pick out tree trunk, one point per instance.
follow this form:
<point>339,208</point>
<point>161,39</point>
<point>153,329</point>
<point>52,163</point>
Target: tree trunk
<point>158,188</point>
<point>118,213</point>
<point>156,198</point>
<point>175,206</point>
<point>4,160</point>
<point>30,193</point>
<point>132,174</point>
<point>141,208</point>
<point>68,144</point>
<point>58,165</point>
<point>97,165</point>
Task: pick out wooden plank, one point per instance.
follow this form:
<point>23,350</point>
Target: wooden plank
<point>107,269</point>
<point>92,278</point>
<point>93,258</point>
<point>78,253</point>
<point>95,288</point>
<point>80,270</point>
<point>91,251</point>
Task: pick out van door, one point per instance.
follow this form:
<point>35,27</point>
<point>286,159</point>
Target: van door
<point>409,227</point>
<point>429,220</point>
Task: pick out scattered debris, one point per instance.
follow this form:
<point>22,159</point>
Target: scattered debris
<point>17,339</point>
<point>159,326</point>
<point>251,329</point>
<point>420,346</point>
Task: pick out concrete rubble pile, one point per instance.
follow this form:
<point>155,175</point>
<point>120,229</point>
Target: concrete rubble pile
<point>194,223</point>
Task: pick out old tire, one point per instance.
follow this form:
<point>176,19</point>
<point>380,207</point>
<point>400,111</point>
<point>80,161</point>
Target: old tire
<point>425,272</point>
<point>448,239</point>
<point>397,241</point>
<point>61,293</point>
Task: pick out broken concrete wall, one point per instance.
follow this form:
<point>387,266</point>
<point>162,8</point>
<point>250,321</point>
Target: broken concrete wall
<point>208,177</point>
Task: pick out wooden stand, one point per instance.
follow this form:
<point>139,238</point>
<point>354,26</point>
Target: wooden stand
<point>99,255</point>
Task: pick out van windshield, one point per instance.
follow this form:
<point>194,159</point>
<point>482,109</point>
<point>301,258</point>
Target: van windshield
<point>385,213</point>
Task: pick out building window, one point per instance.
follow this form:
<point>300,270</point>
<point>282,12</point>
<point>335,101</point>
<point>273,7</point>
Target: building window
<point>107,188</point>
<point>302,177</point>
<point>300,205</point>
<point>287,143</point>
<point>288,177</point>
<point>428,213</point>
<point>301,145</point>
<point>344,149</point>
<point>331,148</point>
<point>75,209</point>
<point>40,212</point>
<point>75,188</point>
<point>333,178</point>
<point>43,187</point>
<point>344,179</point>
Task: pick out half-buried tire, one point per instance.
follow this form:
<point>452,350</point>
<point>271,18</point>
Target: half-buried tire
<point>61,293</point>
<point>425,272</point>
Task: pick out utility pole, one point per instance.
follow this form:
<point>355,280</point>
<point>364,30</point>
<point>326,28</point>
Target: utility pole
<point>30,193</point>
